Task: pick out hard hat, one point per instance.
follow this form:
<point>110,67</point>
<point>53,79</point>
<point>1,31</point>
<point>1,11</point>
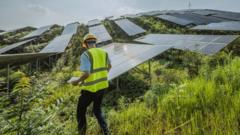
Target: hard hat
<point>89,36</point>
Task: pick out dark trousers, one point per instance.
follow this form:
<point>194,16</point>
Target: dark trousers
<point>84,101</point>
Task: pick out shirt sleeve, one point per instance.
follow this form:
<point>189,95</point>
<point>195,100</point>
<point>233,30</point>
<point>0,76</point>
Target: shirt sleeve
<point>85,65</point>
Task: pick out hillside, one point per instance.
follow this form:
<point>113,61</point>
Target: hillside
<point>190,93</point>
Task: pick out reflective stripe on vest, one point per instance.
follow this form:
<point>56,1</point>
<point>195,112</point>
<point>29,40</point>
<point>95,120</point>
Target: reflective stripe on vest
<point>97,79</point>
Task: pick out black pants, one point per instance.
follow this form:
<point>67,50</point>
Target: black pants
<point>84,101</point>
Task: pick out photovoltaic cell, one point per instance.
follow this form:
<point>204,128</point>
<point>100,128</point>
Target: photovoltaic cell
<point>93,22</point>
<point>70,28</point>
<point>13,46</point>
<point>38,32</point>
<point>225,26</point>
<point>198,43</point>
<point>101,33</point>
<point>175,20</point>
<point>58,45</point>
<point>125,56</point>
<point>22,58</point>
<point>129,27</point>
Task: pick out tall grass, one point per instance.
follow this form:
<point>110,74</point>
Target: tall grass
<point>199,106</point>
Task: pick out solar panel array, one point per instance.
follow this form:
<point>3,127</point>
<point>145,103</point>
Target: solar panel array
<point>175,20</point>
<point>129,27</point>
<point>205,44</point>
<point>125,56</point>
<point>38,32</point>
<point>101,33</point>
<point>225,26</point>
<point>13,46</point>
<point>22,58</point>
<point>70,28</point>
<point>93,22</point>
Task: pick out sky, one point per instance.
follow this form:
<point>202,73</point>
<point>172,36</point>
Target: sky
<point>19,13</point>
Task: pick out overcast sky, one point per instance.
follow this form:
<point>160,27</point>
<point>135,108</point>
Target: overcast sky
<point>19,13</point>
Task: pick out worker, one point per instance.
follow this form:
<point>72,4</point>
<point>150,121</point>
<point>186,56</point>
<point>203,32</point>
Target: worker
<point>95,64</point>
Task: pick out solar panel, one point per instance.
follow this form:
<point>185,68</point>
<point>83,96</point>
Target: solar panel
<point>101,33</point>
<point>204,12</point>
<point>22,58</point>
<point>93,22</point>
<point>228,15</point>
<point>125,56</point>
<point>129,27</point>
<point>175,20</point>
<point>197,19</point>
<point>13,46</point>
<point>38,32</point>
<point>225,26</point>
<point>70,28</point>
<point>59,44</point>
<point>198,43</point>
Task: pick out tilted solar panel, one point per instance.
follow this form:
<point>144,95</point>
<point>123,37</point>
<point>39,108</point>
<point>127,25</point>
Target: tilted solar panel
<point>93,22</point>
<point>198,43</point>
<point>58,45</point>
<point>129,27</point>
<point>197,19</point>
<point>125,56</point>
<point>228,15</point>
<point>101,33</point>
<point>225,26</point>
<point>38,32</point>
<point>13,46</point>
<point>70,28</point>
<point>175,20</point>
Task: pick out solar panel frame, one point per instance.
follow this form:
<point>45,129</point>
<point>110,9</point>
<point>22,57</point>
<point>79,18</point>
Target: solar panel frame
<point>189,42</point>
<point>130,28</point>
<point>101,33</point>
<point>15,45</point>
<point>125,56</point>
<point>221,26</point>
<point>38,32</point>
<point>22,58</point>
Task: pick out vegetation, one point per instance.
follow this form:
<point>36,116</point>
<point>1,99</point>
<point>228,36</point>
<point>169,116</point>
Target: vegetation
<point>13,37</point>
<point>189,94</point>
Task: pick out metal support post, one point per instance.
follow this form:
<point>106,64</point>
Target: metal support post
<point>8,80</point>
<point>150,73</point>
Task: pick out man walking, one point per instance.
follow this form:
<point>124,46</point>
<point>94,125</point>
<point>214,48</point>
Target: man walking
<point>95,64</point>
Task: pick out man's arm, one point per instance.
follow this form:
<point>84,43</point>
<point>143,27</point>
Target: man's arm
<point>85,66</point>
<point>81,79</point>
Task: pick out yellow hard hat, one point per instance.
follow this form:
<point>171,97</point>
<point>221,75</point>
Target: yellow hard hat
<point>89,36</point>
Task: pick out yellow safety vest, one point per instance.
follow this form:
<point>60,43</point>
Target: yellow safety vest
<point>98,78</point>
